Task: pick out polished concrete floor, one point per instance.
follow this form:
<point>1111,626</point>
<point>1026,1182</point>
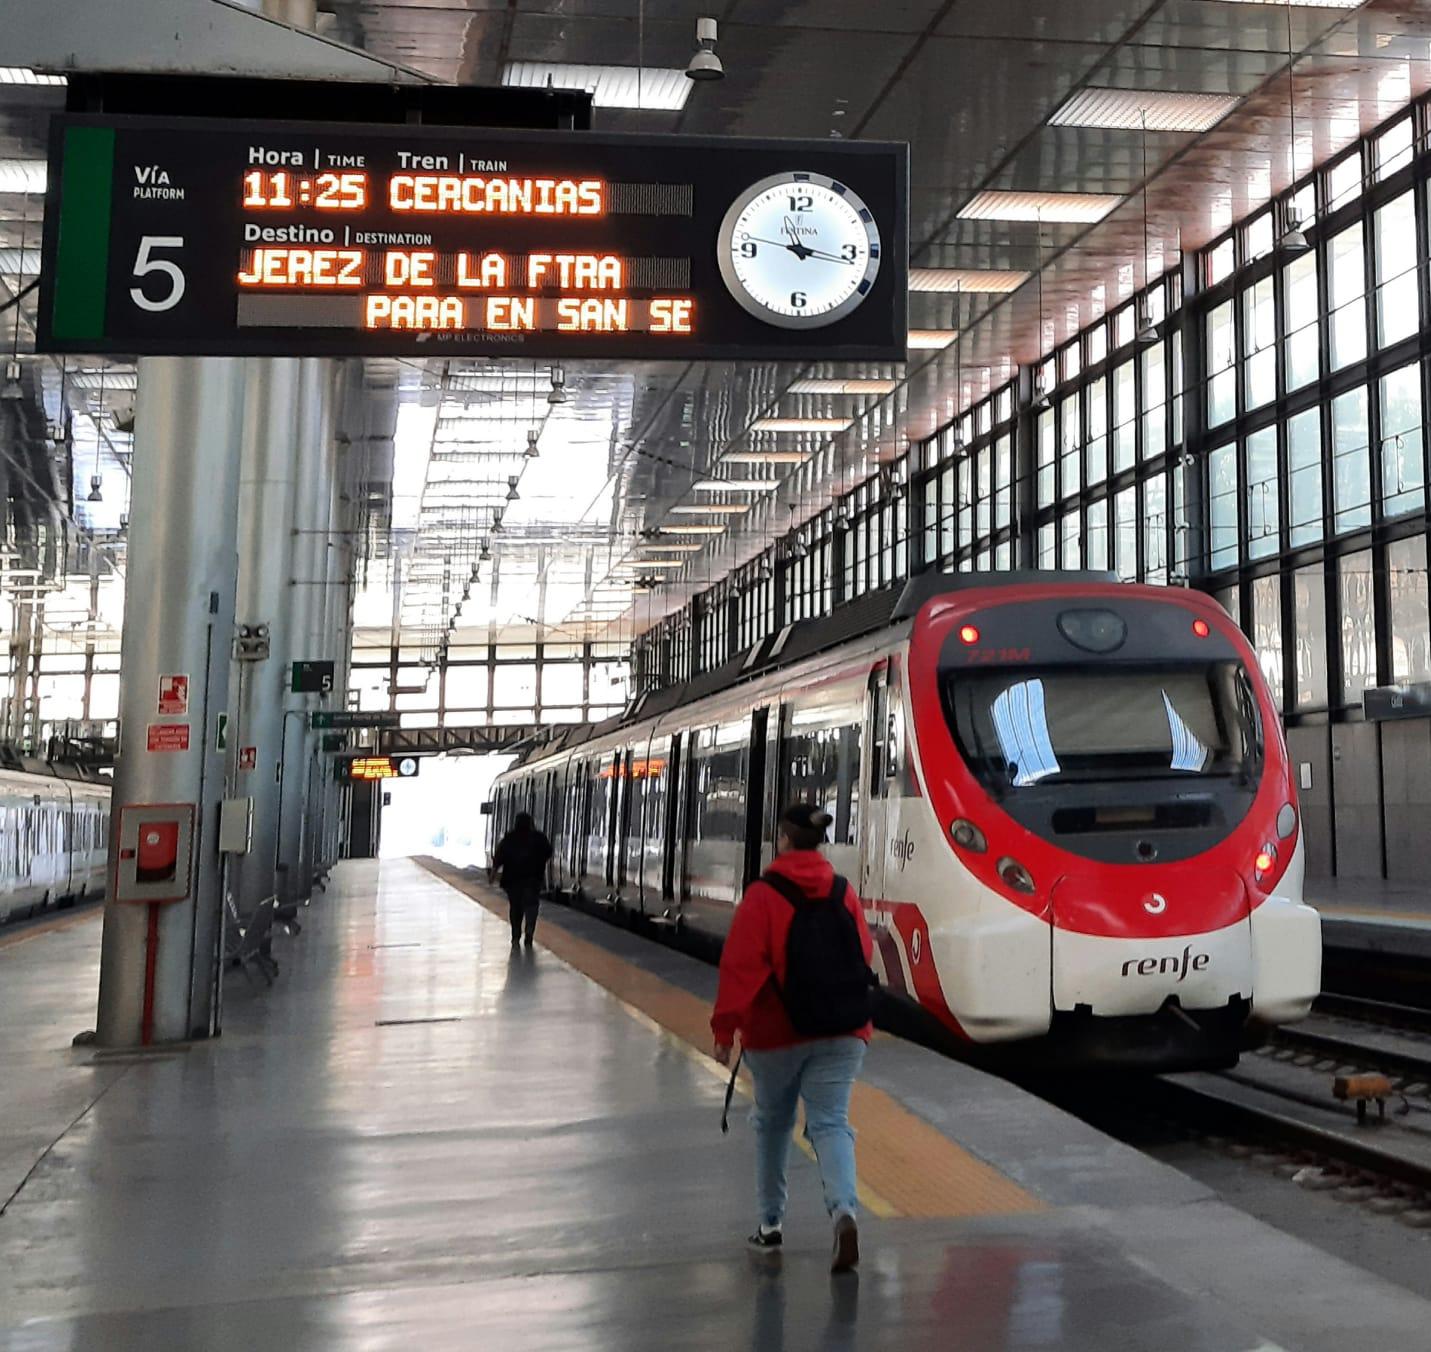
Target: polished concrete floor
<point>420,1140</point>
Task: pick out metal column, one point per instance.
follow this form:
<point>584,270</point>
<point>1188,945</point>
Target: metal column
<point>159,967</point>
<point>269,467</point>
<point>307,583</point>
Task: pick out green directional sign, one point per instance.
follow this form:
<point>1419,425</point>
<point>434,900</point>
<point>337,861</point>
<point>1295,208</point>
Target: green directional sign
<point>351,718</point>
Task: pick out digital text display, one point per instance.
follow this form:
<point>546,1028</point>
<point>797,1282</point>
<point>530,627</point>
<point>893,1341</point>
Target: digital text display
<point>195,237</point>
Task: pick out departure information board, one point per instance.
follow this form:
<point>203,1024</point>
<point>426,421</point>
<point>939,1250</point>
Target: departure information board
<point>200,237</point>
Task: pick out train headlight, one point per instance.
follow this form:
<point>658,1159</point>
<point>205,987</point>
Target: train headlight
<point>967,836</point>
<point>1286,821</point>
<point>1016,875</point>
<point>1266,857</point>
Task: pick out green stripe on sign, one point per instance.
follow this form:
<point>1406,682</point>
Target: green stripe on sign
<point>82,244</point>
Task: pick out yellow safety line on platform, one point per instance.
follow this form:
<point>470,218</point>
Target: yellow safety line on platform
<point>61,922</point>
<point>907,1166</point>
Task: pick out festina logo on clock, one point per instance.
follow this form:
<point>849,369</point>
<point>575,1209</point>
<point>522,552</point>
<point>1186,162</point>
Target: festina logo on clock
<point>798,251</point>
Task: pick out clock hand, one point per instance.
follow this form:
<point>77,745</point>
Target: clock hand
<point>799,250</point>
<point>803,251</point>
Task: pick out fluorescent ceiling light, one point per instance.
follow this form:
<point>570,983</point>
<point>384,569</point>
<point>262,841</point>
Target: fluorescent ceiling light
<point>1133,109</point>
<point>22,176</point>
<point>1304,4</point>
<point>111,380</point>
<point>609,86</point>
<point>966,279</point>
<point>819,385</point>
<point>754,457</point>
<point>669,549</point>
<point>1076,208</point>
<point>931,340</point>
<point>712,508</point>
<point>658,563</point>
<point>676,528</point>
<point>800,424</point>
<point>23,75</point>
<point>736,485</point>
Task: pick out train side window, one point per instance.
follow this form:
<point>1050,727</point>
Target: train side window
<point>718,783</point>
<point>821,764</point>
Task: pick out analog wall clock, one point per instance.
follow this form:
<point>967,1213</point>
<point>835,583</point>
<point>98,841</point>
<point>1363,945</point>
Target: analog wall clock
<point>798,251</point>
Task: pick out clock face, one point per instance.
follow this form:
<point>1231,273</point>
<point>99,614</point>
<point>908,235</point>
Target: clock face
<point>407,766</point>
<point>798,251</point>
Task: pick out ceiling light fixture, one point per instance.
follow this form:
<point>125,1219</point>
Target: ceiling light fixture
<point>558,394</point>
<point>533,450</point>
<point>704,63</point>
<point>485,555</point>
<point>681,528</point>
<point>95,495</point>
<point>1155,110</point>
<point>496,521</point>
<point>757,457</point>
<point>12,389</point>
<point>930,340</point>
<point>1293,239</point>
<point>1305,4</point>
<point>23,75</point>
<point>822,385</point>
<point>711,508</point>
<point>669,548</point>
<point>1059,208</point>
<point>663,91</point>
<point>965,279</point>
<point>512,494</point>
<point>776,424</point>
<point>736,485</point>
<point>24,176</point>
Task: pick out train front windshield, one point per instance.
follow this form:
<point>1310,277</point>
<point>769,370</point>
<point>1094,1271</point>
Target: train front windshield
<point>1021,728</point>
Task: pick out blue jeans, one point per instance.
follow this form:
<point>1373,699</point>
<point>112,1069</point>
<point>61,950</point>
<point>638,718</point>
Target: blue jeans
<point>823,1074</point>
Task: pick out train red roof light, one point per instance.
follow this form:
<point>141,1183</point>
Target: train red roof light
<point>1202,628</point>
<point>968,634</point>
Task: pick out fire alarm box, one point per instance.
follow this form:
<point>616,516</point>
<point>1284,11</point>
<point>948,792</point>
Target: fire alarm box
<point>156,852</point>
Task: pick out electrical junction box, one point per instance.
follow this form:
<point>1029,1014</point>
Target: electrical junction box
<point>236,825</point>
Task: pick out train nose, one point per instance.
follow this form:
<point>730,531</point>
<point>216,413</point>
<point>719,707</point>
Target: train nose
<point>1125,949</point>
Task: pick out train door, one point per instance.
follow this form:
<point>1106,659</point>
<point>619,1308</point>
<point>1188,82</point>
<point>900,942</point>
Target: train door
<point>633,788</point>
<point>875,850</point>
<point>674,798</point>
<point>755,794</point>
<point>614,801</point>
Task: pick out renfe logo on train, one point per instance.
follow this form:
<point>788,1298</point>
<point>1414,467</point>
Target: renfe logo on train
<point>1189,961</point>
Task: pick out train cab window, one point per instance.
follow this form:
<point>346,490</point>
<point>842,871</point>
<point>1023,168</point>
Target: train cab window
<point>1021,729</point>
<point>820,763</point>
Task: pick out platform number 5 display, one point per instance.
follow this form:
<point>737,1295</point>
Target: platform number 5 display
<point>146,264</point>
<point>798,251</point>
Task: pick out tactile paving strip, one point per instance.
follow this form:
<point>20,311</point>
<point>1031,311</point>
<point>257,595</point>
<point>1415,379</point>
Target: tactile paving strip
<point>907,1166</point>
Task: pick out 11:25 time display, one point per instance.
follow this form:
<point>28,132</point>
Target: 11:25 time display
<point>278,189</point>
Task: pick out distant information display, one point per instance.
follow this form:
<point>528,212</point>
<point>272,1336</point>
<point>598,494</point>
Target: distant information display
<point>197,237</point>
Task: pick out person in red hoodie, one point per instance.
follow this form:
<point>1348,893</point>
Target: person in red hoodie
<point>756,1000</point>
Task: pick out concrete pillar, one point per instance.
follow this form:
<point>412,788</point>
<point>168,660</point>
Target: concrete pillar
<point>307,578</point>
<point>159,965</point>
<point>268,471</point>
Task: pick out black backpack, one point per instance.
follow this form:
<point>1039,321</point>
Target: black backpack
<point>829,988</point>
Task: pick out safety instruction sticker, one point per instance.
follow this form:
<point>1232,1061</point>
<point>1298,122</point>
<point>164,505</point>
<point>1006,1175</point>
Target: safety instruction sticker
<point>173,696</point>
<point>248,758</point>
<point>168,737</point>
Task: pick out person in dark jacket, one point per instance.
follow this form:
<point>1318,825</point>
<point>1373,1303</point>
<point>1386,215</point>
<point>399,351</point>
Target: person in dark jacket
<point>785,1066</point>
<point>522,856</point>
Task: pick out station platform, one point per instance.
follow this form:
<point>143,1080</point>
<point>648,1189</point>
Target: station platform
<point>419,1138</point>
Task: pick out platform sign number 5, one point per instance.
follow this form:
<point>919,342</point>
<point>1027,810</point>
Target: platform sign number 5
<point>145,264</point>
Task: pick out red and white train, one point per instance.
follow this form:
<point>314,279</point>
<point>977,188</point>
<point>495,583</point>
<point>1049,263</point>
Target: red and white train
<point>1066,801</point>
